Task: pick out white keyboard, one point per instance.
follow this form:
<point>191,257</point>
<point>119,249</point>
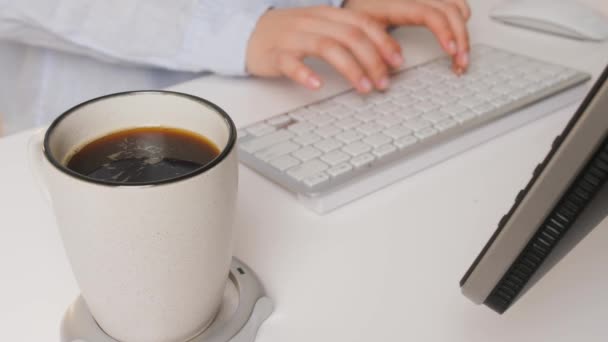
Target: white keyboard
<point>332,145</point>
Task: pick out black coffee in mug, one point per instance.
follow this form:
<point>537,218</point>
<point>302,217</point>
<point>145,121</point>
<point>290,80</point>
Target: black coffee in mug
<point>143,155</point>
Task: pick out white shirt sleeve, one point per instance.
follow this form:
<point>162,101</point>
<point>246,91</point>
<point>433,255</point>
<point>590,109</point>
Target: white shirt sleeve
<point>185,35</point>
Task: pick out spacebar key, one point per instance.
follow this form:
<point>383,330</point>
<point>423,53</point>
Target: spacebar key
<point>265,141</point>
<point>310,168</point>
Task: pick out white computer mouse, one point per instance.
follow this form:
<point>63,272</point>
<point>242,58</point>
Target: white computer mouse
<point>562,17</point>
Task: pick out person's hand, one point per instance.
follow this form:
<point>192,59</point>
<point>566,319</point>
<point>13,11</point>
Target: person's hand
<point>445,18</point>
<point>352,39</point>
<point>352,42</point>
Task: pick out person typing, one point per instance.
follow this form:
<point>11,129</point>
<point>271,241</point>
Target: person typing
<point>57,53</point>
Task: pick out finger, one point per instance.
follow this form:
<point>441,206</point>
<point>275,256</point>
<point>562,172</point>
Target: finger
<point>459,29</point>
<point>417,13</point>
<point>360,45</point>
<point>384,42</point>
<point>334,53</point>
<point>292,67</point>
<point>463,7</point>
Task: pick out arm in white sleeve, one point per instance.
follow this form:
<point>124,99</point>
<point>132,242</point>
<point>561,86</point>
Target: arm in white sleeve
<point>186,35</point>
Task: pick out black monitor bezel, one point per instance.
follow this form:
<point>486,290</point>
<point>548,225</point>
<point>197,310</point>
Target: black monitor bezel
<point>537,171</point>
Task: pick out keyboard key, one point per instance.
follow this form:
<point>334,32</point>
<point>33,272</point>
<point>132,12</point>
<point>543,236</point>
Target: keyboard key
<point>327,131</point>
<point>426,133</point>
<point>440,89</point>
<point>279,120</point>
<point>527,68</point>
<point>313,116</point>
<point>387,108</point>
<point>341,112</point>
<point>464,117</point>
<point>417,124</point>
<point>426,106</point>
<point>389,120</point>
<point>534,87</point>
<point>258,144</point>
<point>307,153</point>
<point>471,101</point>
<point>384,150</point>
<point>367,116</point>
<point>518,94</point>
<point>260,129</point>
<point>409,113</point>
<point>435,116</point>
<point>307,139</point>
<point>491,78</point>
<point>413,84</point>
<point>503,89</point>
<point>370,128</point>
<point>489,95</point>
<point>277,151</point>
<point>397,132</point>
<point>315,180</point>
<point>335,157</point>
<point>285,162</point>
<point>377,140</point>
<point>444,99</point>
<point>471,88</point>
<point>353,100</point>
<point>301,114</point>
<point>446,124</point>
<point>322,120</point>
<point>501,101</point>
<point>464,92</point>
<point>406,141</point>
<point>377,98</point>
<point>396,91</point>
<point>362,160</point>
<point>308,169</point>
<point>423,94</point>
<point>405,100</point>
<point>483,108</point>
<point>347,123</point>
<point>520,83</point>
<point>454,109</point>
<point>328,145</point>
<point>301,127</point>
<point>339,170</point>
<point>356,148</point>
<point>349,136</point>
<point>547,82</point>
<point>429,79</point>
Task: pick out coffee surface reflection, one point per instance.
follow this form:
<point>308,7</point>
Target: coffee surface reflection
<point>143,155</point>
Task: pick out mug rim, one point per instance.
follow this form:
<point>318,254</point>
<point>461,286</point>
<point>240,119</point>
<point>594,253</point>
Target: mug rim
<point>215,161</point>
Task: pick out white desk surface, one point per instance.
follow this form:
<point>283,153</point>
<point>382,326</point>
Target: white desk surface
<point>385,268</point>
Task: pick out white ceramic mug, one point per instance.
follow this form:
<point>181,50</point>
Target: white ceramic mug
<point>151,260</point>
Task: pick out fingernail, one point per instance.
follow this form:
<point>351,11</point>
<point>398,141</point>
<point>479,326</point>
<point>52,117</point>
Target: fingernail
<point>383,83</point>
<point>464,59</point>
<point>313,82</point>
<point>452,47</point>
<point>365,84</point>
<point>397,59</point>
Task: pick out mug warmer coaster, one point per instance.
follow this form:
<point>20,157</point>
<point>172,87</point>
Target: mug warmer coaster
<point>244,308</point>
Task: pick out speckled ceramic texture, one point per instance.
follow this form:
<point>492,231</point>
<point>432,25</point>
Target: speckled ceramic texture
<point>151,260</point>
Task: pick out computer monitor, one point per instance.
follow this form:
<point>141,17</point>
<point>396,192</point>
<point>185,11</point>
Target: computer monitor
<point>562,202</point>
